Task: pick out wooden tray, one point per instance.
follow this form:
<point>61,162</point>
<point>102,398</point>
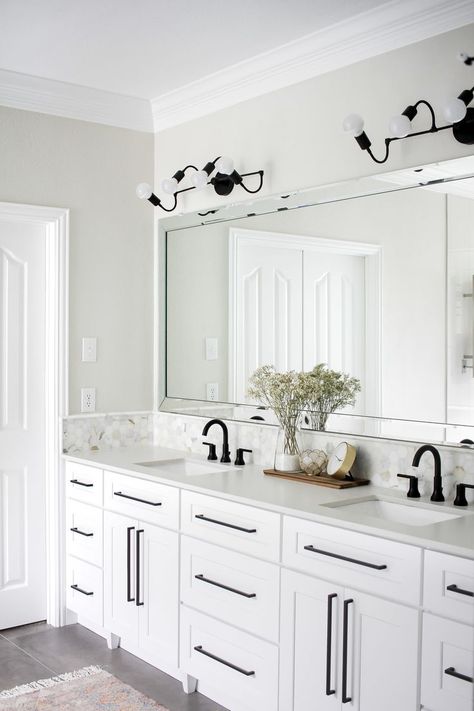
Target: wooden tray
<point>320,480</point>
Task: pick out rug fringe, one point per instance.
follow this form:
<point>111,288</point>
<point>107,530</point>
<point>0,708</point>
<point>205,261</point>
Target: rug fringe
<point>46,683</point>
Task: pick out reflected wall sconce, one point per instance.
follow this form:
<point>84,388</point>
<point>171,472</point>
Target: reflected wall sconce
<point>456,111</point>
<point>465,58</point>
<point>223,181</point>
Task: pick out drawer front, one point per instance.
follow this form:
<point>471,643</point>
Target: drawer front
<point>447,665</point>
<point>141,499</point>
<point>84,483</point>
<point>244,528</point>
<point>449,586</point>
<point>232,667</point>
<point>231,586</point>
<point>353,559</point>
<point>84,532</point>
<point>86,597</point>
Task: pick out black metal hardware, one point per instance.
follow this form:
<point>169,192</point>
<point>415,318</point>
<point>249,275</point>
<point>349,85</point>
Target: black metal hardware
<point>460,499</point>
<point>212,456</point>
<point>345,638</point>
<point>312,549</point>
<point>200,576</point>
<point>460,591</point>
<point>451,671</point>
<point>329,691</point>
<point>129,563</point>
<point>225,459</point>
<point>223,661</point>
<point>239,459</point>
<point>137,563</point>
<point>413,492</point>
<point>80,483</point>
<point>201,517</point>
<point>78,589</point>
<point>437,494</point>
<point>134,498</point>
<point>81,533</point>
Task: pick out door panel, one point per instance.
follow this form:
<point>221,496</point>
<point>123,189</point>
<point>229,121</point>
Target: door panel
<point>120,613</point>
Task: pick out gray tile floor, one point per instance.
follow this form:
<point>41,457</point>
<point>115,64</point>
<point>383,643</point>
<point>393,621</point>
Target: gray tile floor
<point>39,651</point>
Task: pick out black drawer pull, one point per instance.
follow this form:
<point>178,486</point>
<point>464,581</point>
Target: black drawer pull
<point>80,483</point>
<point>460,591</point>
<point>329,691</point>
<point>81,533</point>
<point>224,587</point>
<point>343,557</point>
<point>223,661</point>
<point>345,639</point>
<point>451,671</point>
<point>201,517</point>
<point>84,592</point>
<point>134,498</point>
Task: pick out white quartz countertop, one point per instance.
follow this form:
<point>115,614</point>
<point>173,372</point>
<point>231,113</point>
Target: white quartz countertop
<point>250,485</point>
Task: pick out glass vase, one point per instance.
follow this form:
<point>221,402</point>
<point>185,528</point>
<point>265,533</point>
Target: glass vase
<point>288,449</point>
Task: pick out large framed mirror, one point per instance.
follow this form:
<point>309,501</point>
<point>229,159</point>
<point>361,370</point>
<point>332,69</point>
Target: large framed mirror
<point>374,278</point>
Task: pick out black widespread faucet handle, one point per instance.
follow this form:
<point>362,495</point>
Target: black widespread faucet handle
<point>239,460</point>
<point>460,499</point>
<point>413,492</point>
<point>212,450</point>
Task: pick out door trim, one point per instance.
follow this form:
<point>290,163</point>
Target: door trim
<point>55,222</point>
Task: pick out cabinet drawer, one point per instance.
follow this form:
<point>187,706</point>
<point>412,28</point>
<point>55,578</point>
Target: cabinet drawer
<point>369,563</point>
<point>231,586</point>
<point>447,665</point>
<point>84,483</point>
<point>141,499</point>
<point>245,528</point>
<point>84,590</point>
<point>84,532</point>
<point>232,667</point>
<point>449,586</point>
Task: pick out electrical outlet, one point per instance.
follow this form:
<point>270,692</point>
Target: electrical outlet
<point>212,391</point>
<point>89,350</point>
<point>87,399</point>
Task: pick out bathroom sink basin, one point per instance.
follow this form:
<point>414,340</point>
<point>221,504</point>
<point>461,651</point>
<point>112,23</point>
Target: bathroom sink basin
<point>410,515</point>
<point>183,466</point>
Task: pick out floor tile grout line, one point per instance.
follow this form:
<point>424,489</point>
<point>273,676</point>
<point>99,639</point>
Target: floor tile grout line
<point>30,655</point>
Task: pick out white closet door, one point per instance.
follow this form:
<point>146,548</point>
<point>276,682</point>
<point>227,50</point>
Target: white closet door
<point>22,415</point>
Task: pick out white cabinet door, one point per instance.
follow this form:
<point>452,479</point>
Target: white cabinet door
<point>120,603</point>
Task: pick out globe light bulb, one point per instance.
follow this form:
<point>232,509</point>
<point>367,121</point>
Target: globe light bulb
<point>353,124</point>
<point>169,185</point>
<point>454,110</point>
<point>225,165</point>
<point>144,191</point>
<point>399,126</point>
<point>199,179</point>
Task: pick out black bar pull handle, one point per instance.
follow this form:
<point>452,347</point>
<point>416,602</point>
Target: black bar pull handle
<point>81,533</point>
<point>329,691</point>
<point>78,589</point>
<point>451,671</point>
<point>129,563</point>
<point>80,483</point>
<point>137,562</point>
<point>460,591</point>
<point>201,517</point>
<point>345,644</point>
<point>224,587</point>
<point>312,549</point>
<point>134,498</point>
<point>200,649</point>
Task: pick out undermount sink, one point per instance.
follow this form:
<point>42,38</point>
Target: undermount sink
<point>183,466</point>
<point>410,515</point>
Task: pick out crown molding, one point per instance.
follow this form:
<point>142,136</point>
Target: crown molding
<point>388,27</point>
<point>46,96</point>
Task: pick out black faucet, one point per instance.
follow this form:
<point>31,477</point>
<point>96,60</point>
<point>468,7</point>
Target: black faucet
<point>225,438</point>
<point>437,494</point>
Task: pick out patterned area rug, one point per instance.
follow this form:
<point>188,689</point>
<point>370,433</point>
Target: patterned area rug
<point>88,689</point>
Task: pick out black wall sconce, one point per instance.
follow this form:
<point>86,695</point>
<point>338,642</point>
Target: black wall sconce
<point>223,181</point>
<point>465,58</point>
<point>456,111</point>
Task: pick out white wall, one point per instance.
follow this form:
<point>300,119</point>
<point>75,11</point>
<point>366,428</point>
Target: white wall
<point>93,170</point>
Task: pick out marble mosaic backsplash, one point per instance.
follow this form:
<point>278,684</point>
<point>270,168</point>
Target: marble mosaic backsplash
<point>94,432</point>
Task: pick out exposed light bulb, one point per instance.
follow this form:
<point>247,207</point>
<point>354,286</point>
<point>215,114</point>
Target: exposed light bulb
<point>399,126</point>
<point>169,185</point>
<point>225,165</point>
<point>199,179</point>
<point>353,124</point>
<point>454,110</point>
<point>144,191</point>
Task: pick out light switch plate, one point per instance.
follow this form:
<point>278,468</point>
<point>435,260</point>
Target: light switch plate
<point>87,399</point>
<point>211,348</point>
<point>89,350</point>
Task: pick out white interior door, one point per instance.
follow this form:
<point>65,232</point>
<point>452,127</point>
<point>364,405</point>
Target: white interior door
<point>22,422</point>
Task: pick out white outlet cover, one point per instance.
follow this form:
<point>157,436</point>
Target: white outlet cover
<point>87,399</point>
<point>212,391</point>
<point>89,350</point>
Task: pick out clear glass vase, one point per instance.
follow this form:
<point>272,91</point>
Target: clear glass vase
<point>288,449</point>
